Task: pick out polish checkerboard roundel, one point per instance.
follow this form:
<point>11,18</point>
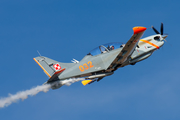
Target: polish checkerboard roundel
<point>57,66</point>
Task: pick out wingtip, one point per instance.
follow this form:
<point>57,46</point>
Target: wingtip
<point>139,29</point>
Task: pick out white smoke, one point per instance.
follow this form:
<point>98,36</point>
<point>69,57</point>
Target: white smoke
<point>4,102</point>
<point>68,82</point>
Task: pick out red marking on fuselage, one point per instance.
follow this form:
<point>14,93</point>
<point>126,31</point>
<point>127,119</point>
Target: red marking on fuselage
<point>57,67</point>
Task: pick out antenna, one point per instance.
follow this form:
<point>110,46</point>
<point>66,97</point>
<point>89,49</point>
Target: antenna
<point>74,61</point>
<point>39,53</point>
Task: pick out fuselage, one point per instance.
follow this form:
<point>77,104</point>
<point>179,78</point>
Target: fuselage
<point>98,64</point>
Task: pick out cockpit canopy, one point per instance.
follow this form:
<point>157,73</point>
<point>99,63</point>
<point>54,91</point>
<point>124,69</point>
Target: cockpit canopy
<point>106,48</point>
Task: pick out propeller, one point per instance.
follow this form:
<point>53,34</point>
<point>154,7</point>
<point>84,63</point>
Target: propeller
<point>155,30</point>
<point>161,29</point>
<point>162,32</point>
<point>168,43</point>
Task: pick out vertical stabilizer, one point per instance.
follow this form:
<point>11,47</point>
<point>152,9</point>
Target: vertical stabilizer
<point>51,67</point>
<point>41,61</point>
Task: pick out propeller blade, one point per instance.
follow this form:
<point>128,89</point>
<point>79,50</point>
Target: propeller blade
<point>155,30</point>
<point>168,42</point>
<point>161,28</point>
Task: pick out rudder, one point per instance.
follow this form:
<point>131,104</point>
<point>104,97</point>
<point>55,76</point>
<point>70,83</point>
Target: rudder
<point>45,64</point>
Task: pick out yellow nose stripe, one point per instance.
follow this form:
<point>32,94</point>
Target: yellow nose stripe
<point>150,43</point>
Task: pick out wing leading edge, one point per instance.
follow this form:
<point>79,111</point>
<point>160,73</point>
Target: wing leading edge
<point>128,48</point>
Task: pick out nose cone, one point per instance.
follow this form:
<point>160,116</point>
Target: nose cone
<point>164,36</point>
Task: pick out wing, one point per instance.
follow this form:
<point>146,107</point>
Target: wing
<point>128,48</point>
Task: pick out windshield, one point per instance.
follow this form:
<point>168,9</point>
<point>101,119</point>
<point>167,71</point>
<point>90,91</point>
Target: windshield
<point>106,48</point>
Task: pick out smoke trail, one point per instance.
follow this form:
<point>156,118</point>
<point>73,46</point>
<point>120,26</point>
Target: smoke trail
<point>23,95</point>
<point>4,102</point>
<point>68,82</point>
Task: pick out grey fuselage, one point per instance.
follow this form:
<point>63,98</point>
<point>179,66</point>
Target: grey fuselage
<point>102,61</point>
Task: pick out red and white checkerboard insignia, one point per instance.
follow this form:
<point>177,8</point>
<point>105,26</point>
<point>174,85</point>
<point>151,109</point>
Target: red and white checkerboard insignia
<point>57,66</point>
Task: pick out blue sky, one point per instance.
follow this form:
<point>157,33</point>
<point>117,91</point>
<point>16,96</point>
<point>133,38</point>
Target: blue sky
<point>63,30</point>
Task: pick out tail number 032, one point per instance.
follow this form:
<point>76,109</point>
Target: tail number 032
<point>85,66</point>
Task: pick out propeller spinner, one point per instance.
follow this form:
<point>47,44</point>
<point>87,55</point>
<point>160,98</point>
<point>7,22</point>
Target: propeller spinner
<point>162,32</point>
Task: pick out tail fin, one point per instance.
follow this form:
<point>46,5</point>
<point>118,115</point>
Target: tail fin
<point>44,65</point>
<point>50,66</point>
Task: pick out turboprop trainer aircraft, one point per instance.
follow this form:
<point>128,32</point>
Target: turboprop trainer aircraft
<point>103,60</point>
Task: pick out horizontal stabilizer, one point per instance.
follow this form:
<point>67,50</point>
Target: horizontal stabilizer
<point>85,82</point>
<point>56,74</point>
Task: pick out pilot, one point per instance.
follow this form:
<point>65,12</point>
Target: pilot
<point>122,45</point>
<point>111,47</point>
